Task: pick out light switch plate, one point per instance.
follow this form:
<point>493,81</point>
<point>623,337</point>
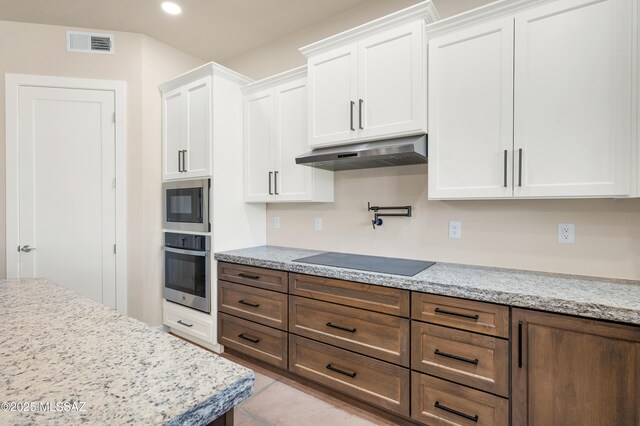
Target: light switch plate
<point>276,222</point>
<point>318,223</point>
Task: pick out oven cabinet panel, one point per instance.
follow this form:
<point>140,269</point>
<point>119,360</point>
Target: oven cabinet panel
<point>188,321</point>
<point>187,129</point>
<point>173,131</point>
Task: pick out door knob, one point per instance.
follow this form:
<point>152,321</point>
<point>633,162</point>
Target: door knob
<point>27,248</point>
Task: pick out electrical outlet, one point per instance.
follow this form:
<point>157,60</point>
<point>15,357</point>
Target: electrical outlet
<point>566,233</point>
<point>318,224</point>
<point>455,229</point>
<point>276,222</point>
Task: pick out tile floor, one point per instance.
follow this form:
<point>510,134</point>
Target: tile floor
<point>278,401</point>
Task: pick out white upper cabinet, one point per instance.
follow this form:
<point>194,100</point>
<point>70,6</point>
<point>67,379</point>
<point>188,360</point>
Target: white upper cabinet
<point>173,134</point>
<point>259,140</point>
<point>573,103</point>
<point>370,82</point>
<point>333,89</point>
<point>471,112</point>
<point>391,82</point>
<point>554,86</point>
<point>275,123</point>
<point>186,138</point>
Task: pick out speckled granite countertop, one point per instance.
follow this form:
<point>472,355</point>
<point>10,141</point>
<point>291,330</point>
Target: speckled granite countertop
<point>57,346</point>
<point>614,300</point>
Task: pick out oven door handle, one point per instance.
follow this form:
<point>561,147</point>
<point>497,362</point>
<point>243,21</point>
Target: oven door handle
<point>189,252</point>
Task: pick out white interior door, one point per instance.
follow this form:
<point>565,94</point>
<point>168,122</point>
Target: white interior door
<point>66,143</point>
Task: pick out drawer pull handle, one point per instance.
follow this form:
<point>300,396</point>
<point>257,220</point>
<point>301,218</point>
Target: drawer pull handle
<point>339,327</point>
<point>249,338</point>
<point>456,412</point>
<point>250,276</point>
<point>456,357</point>
<point>457,314</point>
<point>253,305</point>
<point>351,374</point>
<point>184,323</point>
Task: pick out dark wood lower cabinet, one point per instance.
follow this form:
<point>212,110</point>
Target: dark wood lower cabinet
<point>573,371</point>
<point>441,403</point>
<point>380,383</point>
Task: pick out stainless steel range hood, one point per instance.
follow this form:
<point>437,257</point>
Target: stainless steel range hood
<point>389,152</point>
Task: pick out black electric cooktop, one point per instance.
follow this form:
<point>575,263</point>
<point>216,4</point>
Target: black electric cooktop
<point>385,265</point>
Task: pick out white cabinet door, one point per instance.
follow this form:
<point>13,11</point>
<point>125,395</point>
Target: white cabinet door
<point>332,96</point>
<point>471,112</point>
<point>259,136</point>
<point>293,182</point>
<point>573,99</point>
<point>197,156</point>
<point>391,83</point>
<point>173,133</point>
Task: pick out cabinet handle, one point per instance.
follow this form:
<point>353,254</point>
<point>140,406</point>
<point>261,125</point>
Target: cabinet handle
<point>249,338</point>
<point>184,160</point>
<point>456,314</point>
<point>179,161</point>
<point>352,105</point>
<point>360,102</point>
<point>250,276</point>
<point>184,323</point>
<point>456,412</point>
<point>339,327</point>
<point>270,190</point>
<point>275,182</point>
<point>520,167</point>
<point>253,305</point>
<point>456,357</point>
<point>505,167</point>
<point>351,374</point>
<point>519,344</point>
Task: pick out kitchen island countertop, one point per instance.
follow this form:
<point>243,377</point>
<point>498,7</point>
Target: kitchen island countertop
<point>599,298</point>
<point>67,351</point>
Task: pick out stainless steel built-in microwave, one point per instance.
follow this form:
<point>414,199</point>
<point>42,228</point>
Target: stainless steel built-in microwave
<point>186,205</point>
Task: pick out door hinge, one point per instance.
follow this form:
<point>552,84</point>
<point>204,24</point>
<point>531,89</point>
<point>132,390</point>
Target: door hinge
<point>114,249</point>
<point>114,117</point>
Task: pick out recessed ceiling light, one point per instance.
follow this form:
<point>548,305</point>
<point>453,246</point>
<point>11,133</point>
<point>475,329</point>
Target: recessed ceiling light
<point>171,8</point>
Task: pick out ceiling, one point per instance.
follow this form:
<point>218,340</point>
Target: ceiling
<point>241,25</point>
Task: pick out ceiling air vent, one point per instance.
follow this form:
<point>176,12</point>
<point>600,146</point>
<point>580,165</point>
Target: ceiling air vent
<point>89,42</point>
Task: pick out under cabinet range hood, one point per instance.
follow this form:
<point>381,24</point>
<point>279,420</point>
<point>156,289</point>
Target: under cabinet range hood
<point>403,151</point>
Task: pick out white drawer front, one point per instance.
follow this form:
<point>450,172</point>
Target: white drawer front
<point>188,321</point>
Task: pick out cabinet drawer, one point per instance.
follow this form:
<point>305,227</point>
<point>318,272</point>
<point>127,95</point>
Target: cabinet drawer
<point>480,317</point>
<point>269,279</point>
<point>437,402</point>
<point>472,359</point>
<point>262,306</point>
<point>187,321</point>
<point>370,333</point>
<point>263,343</point>
<point>382,384</point>
<point>366,296</point>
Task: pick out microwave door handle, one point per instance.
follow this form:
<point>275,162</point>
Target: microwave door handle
<point>189,252</point>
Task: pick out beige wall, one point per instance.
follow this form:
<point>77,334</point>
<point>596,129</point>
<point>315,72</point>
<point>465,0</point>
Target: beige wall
<point>143,63</point>
<point>509,233</point>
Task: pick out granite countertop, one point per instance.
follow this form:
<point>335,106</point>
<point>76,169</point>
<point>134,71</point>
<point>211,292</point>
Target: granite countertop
<point>600,298</point>
<point>64,349</point>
